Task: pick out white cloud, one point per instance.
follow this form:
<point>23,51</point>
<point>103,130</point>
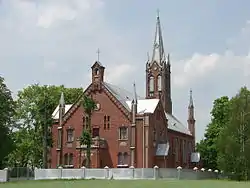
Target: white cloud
<point>212,76</point>
<point>55,42</point>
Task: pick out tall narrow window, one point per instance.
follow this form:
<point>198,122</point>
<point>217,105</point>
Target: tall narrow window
<point>123,133</point>
<point>120,158</point>
<point>108,123</point>
<point>159,83</point>
<point>85,121</point>
<point>125,158</point>
<point>70,159</point>
<point>105,123</point>
<point>65,159</point>
<point>151,84</point>
<point>177,148</point>
<point>59,139</point>
<point>95,132</point>
<point>70,136</point>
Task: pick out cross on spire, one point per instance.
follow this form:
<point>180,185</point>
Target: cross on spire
<point>191,102</point>
<point>98,54</point>
<point>158,48</point>
<point>158,13</point>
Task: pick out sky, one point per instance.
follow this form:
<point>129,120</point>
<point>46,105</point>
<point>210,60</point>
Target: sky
<point>56,41</point>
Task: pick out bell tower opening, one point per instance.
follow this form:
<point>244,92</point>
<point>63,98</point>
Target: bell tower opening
<point>97,75</point>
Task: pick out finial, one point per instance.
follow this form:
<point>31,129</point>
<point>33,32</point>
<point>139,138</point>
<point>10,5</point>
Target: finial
<point>62,102</point>
<point>148,56</point>
<point>191,103</point>
<point>168,58</point>
<point>98,54</point>
<point>158,13</point>
<point>135,93</point>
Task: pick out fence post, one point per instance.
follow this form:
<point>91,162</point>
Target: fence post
<point>83,172</point>
<point>179,172</point>
<point>133,171</point>
<point>106,172</point>
<point>6,174</point>
<point>210,173</point>
<point>156,172</point>
<point>217,174</point>
<point>60,171</point>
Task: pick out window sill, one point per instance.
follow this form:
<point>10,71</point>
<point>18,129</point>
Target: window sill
<point>124,139</point>
<point>122,166</point>
<point>68,166</point>
<point>70,142</point>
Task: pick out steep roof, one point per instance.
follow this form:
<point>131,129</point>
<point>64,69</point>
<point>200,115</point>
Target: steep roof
<point>120,94</point>
<point>144,106</point>
<point>175,125</point>
<point>55,114</point>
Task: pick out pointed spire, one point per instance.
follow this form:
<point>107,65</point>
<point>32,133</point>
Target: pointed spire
<point>158,48</point>
<point>191,102</point>
<point>62,102</point>
<point>168,61</point>
<point>135,94</point>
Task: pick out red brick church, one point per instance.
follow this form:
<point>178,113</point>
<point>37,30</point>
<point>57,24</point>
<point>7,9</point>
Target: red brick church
<point>127,130</point>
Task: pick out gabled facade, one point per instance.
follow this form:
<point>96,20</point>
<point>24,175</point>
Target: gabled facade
<point>127,130</point>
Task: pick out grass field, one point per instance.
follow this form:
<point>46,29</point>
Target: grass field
<point>125,183</point>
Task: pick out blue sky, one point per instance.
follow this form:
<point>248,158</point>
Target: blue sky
<point>55,42</point>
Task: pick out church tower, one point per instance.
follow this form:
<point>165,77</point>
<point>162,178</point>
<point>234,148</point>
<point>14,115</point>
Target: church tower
<point>97,76</point>
<point>191,119</point>
<point>158,74</point>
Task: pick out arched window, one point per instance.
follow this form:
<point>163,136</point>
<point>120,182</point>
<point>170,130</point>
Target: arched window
<point>159,83</point>
<point>65,159</point>
<point>151,84</point>
<point>96,71</point>
<point>120,159</point>
<point>125,158</point>
<point>70,159</point>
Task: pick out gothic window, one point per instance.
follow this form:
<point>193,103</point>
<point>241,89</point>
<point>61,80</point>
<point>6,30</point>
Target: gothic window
<point>68,159</point>
<point>154,134</point>
<point>122,159</point>
<point>106,122</point>
<point>123,133</point>
<point>70,135</point>
<point>65,159</point>
<point>108,125</point>
<point>177,148</point>
<point>85,121</point>
<point>125,158</point>
<point>151,84</point>
<point>59,139</point>
<point>159,83</point>
<point>184,151</point>
<point>71,159</point>
<point>96,71</point>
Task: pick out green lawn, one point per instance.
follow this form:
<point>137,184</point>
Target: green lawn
<point>126,183</point>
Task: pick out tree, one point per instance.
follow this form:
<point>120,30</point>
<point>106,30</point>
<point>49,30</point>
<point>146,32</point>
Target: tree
<point>88,105</point>
<point>6,121</point>
<point>208,146</point>
<point>234,141</point>
<point>35,105</point>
